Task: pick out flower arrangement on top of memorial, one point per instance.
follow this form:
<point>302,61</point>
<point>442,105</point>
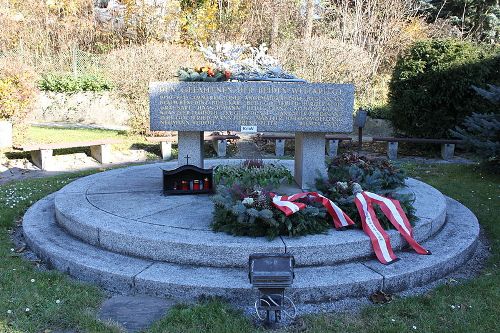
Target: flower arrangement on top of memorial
<point>237,63</point>
<point>246,203</point>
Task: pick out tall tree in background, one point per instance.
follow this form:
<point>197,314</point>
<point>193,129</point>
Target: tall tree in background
<point>308,27</point>
<point>476,19</point>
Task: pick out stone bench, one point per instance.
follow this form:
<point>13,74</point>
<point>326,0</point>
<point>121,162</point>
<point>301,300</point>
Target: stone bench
<point>219,142</point>
<point>333,142</point>
<point>447,145</point>
<point>165,145</point>
<point>41,154</point>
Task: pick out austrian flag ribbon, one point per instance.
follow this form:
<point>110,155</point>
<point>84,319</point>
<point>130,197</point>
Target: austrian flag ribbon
<point>288,206</point>
<point>371,226</point>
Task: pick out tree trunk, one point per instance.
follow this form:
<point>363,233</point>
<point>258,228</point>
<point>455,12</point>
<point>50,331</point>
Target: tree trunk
<point>275,28</point>
<point>309,20</point>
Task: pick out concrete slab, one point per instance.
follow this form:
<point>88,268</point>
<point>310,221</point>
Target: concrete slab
<point>134,313</point>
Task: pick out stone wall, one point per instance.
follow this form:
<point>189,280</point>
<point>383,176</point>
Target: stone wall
<point>89,108</point>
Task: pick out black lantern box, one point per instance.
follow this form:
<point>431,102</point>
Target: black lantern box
<point>271,270</point>
<point>188,179</point>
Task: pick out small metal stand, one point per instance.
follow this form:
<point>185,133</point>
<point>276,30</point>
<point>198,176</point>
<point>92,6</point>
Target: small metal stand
<point>271,273</point>
<point>360,122</point>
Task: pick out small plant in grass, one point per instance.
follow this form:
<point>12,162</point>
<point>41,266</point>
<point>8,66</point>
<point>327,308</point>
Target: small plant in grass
<point>374,175</point>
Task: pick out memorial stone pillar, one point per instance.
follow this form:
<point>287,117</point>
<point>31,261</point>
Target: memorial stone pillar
<point>190,145</point>
<point>309,158</point>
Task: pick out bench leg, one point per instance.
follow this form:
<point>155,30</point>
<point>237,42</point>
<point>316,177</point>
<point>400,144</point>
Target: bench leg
<point>102,153</point>
<point>333,147</point>
<point>279,149</point>
<point>392,150</point>
<point>447,151</point>
<point>42,158</point>
<point>166,150</point>
<point>220,147</point>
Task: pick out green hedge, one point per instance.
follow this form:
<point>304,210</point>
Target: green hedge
<point>430,89</point>
<point>69,84</point>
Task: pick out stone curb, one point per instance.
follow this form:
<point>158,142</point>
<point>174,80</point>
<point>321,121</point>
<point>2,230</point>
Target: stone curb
<point>451,247</point>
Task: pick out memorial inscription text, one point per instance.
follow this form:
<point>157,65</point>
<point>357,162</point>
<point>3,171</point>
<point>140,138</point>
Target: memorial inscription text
<point>269,106</point>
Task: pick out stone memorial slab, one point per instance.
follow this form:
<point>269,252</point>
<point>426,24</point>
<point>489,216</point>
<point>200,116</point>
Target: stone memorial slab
<point>270,107</point>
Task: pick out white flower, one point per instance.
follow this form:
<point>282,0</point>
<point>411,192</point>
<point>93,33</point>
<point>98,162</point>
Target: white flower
<point>414,327</point>
<point>342,185</point>
<point>27,310</point>
<point>393,320</point>
<point>247,201</point>
<point>32,280</point>
<point>9,311</point>
<point>58,301</point>
<point>452,306</point>
<point>356,188</point>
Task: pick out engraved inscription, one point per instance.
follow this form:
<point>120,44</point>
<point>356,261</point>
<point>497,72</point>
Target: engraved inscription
<point>270,106</point>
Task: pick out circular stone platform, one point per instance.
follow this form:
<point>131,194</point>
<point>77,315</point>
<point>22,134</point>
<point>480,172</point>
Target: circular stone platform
<point>117,229</point>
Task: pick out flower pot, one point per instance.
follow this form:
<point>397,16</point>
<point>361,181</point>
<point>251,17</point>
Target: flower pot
<point>5,134</point>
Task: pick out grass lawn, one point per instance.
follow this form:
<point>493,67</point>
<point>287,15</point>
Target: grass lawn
<point>45,135</point>
<point>22,286</point>
<point>57,135</point>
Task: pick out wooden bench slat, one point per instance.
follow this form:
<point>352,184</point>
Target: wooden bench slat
<point>292,137</point>
<point>206,138</point>
<point>416,140</point>
<point>161,139</point>
<point>222,137</point>
<point>337,137</point>
<point>66,145</point>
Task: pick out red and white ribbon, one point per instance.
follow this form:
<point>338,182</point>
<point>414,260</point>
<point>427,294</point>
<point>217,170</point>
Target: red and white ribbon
<point>392,209</point>
<point>288,206</point>
<point>371,226</point>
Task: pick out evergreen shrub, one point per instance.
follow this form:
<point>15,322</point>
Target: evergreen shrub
<point>430,91</point>
<point>67,83</point>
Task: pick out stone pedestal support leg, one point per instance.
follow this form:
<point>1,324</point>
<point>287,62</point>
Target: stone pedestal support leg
<point>166,150</point>
<point>101,153</point>
<point>333,147</point>
<point>5,134</point>
<point>392,150</point>
<point>220,147</point>
<point>309,158</point>
<point>279,150</point>
<point>447,151</point>
<point>42,158</point>
<point>190,144</point>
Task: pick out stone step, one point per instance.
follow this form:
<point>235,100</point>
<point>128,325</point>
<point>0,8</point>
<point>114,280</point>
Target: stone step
<point>451,247</point>
<point>124,211</point>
